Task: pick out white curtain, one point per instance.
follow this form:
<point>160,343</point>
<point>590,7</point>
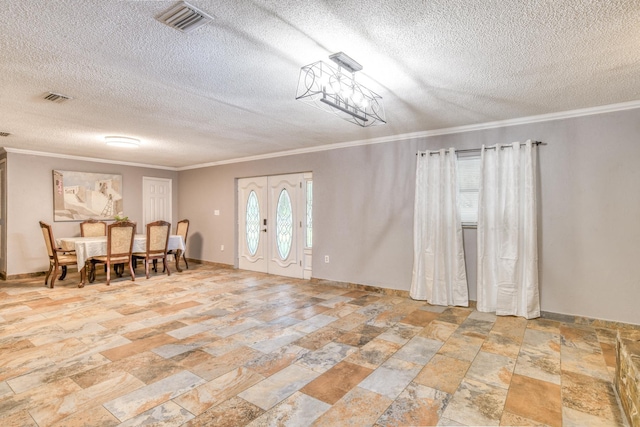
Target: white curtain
<point>439,274</point>
<point>507,231</point>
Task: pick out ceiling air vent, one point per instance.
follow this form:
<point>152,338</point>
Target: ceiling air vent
<point>56,97</point>
<point>184,17</point>
<point>4,134</point>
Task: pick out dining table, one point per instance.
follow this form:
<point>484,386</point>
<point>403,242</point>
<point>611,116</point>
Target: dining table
<point>88,247</point>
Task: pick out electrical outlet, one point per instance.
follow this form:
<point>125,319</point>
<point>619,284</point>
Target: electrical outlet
<point>216,212</point>
<point>326,258</point>
<point>222,247</point>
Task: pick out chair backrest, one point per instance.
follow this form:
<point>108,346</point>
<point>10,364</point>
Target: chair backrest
<point>93,228</point>
<point>49,241</point>
<point>158,236</point>
<point>182,229</point>
<point>120,238</point>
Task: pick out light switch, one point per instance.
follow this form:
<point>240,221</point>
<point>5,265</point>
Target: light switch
<point>216,212</point>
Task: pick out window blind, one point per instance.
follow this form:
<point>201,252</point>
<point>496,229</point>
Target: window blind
<point>468,186</point>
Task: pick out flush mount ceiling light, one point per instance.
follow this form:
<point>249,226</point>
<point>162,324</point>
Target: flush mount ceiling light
<point>122,141</point>
<point>336,91</point>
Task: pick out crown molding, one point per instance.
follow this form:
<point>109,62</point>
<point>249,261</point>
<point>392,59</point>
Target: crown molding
<point>430,133</point>
<point>391,138</point>
<point>85,159</point>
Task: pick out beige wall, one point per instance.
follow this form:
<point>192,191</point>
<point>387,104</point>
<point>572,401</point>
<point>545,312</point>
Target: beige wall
<point>363,210</point>
<point>30,199</point>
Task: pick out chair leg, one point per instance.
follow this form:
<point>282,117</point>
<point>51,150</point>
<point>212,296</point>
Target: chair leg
<point>82,274</point>
<point>46,279</point>
<point>184,257</point>
<point>166,266</point>
<point>146,267</point>
<point>64,273</point>
<point>133,274</point>
<point>108,273</point>
<point>92,272</point>
<point>53,276</point>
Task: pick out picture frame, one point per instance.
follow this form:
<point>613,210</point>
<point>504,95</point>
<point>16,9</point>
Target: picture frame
<point>78,196</point>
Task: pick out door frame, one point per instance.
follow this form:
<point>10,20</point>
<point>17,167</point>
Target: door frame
<point>304,253</point>
<point>3,219</point>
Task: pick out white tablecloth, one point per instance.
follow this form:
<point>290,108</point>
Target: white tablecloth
<point>87,247</point>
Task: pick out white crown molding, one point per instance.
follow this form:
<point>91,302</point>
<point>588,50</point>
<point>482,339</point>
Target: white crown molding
<point>392,138</point>
<point>430,133</point>
<point>85,159</point>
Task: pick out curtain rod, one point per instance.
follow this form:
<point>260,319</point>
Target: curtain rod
<point>472,150</point>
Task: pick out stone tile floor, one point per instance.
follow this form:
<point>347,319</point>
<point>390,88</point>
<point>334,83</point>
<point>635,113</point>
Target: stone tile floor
<point>222,347</point>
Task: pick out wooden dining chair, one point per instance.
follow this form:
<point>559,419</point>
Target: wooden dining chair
<point>93,228</point>
<point>157,241</point>
<point>58,258</point>
<point>182,229</point>
<point>120,236</point>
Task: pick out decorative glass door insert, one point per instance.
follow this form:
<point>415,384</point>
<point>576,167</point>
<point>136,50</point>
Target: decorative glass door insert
<point>253,223</point>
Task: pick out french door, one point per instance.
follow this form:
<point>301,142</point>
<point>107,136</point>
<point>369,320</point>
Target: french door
<point>272,223</point>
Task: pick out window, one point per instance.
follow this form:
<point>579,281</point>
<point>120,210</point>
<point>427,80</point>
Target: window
<point>253,223</point>
<point>468,186</point>
<point>309,233</point>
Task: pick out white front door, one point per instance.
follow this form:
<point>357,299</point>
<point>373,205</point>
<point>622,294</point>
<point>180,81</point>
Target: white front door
<point>271,224</point>
<point>156,200</point>
<point>284,222</point>
<point>252,221</point>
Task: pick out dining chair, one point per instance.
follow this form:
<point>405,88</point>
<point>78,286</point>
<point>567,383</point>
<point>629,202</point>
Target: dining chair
<point>181,230</point>
<point>157,242</point>
<point>120,236</point>
<point>58,258</point>
<point>93,228</point>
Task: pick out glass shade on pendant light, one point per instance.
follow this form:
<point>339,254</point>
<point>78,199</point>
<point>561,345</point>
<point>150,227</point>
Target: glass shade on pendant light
<point>122,141</point>
<point>336,91</point>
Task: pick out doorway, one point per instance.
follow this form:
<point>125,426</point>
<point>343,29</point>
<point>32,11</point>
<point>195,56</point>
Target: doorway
<point>274,224</point>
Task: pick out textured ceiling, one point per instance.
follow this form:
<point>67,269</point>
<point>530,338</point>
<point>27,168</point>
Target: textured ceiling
<point>226,90</point>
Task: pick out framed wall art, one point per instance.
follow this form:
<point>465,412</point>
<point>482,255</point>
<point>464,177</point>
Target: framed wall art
<point>78,196</point>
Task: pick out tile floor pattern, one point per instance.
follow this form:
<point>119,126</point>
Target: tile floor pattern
<point>223,347</point>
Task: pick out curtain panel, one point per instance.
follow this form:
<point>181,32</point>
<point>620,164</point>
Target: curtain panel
<point>507,282</point>
<point>439,274</point>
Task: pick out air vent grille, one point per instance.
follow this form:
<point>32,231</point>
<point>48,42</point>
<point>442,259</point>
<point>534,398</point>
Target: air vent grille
<point>56,97</point>
<point>184,17</point>
<point>4,134</point>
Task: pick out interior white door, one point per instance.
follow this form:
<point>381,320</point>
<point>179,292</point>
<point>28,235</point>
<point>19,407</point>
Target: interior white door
<point>156,200</point>
<point>271,224</point>
<point>252,220</point>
